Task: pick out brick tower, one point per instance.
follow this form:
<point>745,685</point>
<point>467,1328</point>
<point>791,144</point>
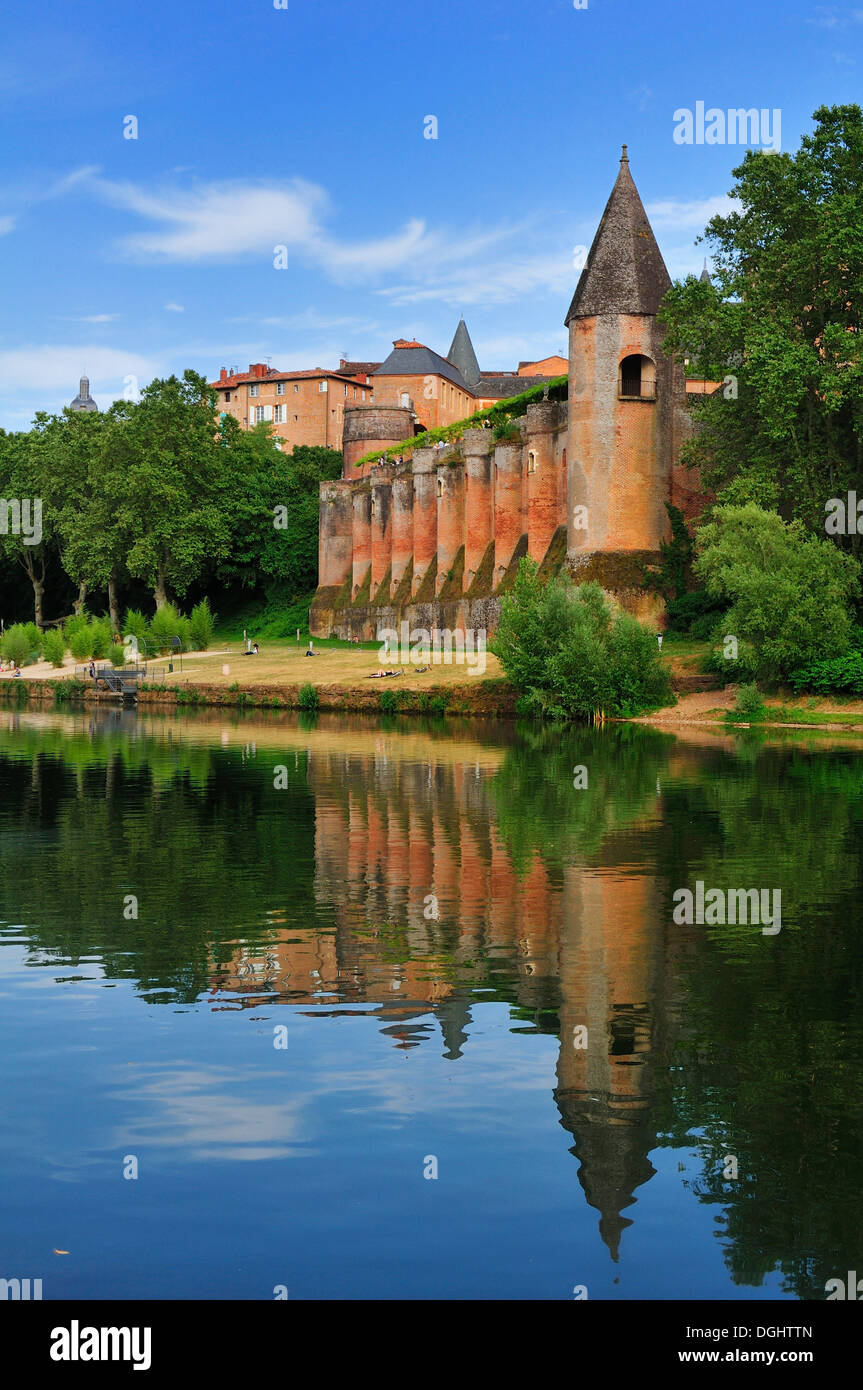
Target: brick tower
<point>627,402</point>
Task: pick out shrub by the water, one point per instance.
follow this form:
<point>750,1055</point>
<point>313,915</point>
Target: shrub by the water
<point>54,646</point>
<point>844,675</point>
<point>788,592</point>
<point>202,626</point>
<point>117,655</point>
<point>389,701</point>
<point>136,625</point>
<point>307,697</point>
<point>165,624</point>
<point>749,701</point>
<point>17,644</point>
<point>572,655</point>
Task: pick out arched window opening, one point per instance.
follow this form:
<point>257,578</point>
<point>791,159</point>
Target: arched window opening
<point>440,487</point>
<point>531,462</point>
<point>637,380</point>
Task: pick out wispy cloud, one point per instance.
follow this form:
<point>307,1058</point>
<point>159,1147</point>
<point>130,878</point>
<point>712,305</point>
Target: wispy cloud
<point>7,224</point>
<point>676,215</point>
<point>98,318</point>
<point>175,308</point>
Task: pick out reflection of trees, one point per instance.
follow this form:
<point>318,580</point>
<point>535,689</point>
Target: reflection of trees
<point>199,836</point>
<point>752,1044</point>
<point>538,809</point>
<point>774,1044</point>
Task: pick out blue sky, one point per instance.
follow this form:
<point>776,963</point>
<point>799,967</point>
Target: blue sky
<point>304,127</point>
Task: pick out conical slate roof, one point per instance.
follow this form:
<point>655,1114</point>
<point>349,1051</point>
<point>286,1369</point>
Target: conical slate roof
<point>705,274</point>
<point>624,272</point>
<point>462,355</point>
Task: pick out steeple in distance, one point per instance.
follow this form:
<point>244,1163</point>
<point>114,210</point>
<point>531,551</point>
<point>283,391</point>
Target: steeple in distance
<point>462,356</point>
<point>83,400</point>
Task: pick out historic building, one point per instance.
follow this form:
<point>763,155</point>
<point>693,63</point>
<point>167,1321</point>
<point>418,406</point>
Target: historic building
<point>580,483</point>
<point>305,407</point>
<point>83,400</point>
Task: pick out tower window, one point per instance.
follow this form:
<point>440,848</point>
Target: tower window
<point>440,487</point>
<point>531,462</point>
<point>637,380</point>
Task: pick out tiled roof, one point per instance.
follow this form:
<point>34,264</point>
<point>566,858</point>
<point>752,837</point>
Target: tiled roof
<point>249,378</point>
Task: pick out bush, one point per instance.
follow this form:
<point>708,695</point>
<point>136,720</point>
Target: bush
<point>101,637</point>
<point>571,655</point>
<point>117,655</point>
<point>788,592</point>
<point>76,623</point>
<point>308,697</point>
<point>749,701</point>
<point>81,642</point>
<point>202,626</point>
<point>34,637</point>
<point>743,667</point>
<point>389,701</point>
<point>844,674</point>
<point>166,623</point>
<point>17,644</point>
<point>54,647</point>
<point>136,625</point>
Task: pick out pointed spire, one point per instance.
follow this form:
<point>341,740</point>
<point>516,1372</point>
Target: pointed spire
<point>624,272</point>
<point>462,356</point>
<point>705,274</point>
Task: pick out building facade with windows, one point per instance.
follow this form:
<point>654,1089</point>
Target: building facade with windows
<point>305,407</point>
<point>578,484</point>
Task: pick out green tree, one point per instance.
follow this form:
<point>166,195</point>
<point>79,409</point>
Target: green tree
<point>27,523</point>
<point>164,480</point>
<point>784,319</point>
<point>274,510</point>
<point>789,593</point>
<point>571,654</point>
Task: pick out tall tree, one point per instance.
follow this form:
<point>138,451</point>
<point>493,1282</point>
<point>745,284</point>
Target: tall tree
<point>782,324</point>
<point>27,523</point>
<point>164,480</point>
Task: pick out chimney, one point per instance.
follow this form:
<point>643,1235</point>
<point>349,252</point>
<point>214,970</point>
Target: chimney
<point>223,374</point>
<point>257,369</point>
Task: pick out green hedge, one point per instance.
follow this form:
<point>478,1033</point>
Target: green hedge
<point>495,414</point>
<point>842,674</point>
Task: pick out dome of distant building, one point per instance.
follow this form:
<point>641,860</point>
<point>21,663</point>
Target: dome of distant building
<point>83,400</point>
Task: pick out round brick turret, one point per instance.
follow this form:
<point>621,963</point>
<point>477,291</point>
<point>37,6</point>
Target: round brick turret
<point>370,427</point>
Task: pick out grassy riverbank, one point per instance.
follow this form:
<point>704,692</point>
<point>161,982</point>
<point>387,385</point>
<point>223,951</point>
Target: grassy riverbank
<point>340,677</point>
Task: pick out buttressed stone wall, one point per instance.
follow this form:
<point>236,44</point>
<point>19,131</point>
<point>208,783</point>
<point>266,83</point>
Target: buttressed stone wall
<point>579,485</point>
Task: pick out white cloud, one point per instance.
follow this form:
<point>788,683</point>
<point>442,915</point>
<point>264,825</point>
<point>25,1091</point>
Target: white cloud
<point>175,308</point>
<point>7,224</point>
<point>46,378</point>
<point>492,282</point>
<point>98,318</point>
<point>676,215</point>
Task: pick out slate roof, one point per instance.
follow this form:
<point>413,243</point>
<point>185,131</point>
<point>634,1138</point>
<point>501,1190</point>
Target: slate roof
<point>505,386</point>
<point>462,355</point>
<point>624,272</point>
<point>421,361</point>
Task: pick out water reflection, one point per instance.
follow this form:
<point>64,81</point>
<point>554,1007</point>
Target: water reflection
<point>414,876</point>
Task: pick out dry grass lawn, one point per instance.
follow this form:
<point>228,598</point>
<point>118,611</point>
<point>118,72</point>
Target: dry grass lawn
<point>287,664</point>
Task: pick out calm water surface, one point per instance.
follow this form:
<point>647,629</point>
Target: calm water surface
<point>434,914</point>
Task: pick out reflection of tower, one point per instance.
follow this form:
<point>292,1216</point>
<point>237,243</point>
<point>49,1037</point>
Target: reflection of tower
<point>610,950</point>
<point>453,1014</point>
